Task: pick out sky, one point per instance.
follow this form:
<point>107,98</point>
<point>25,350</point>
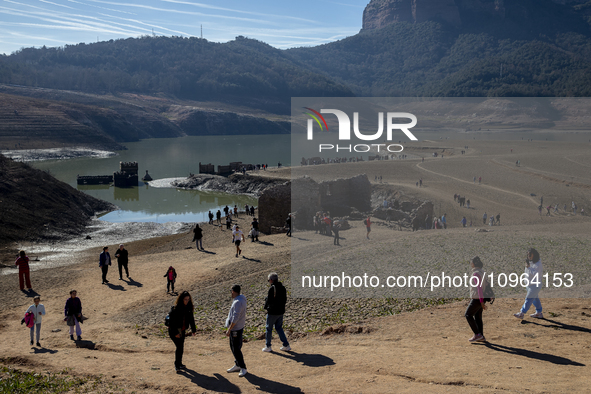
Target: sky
<point>280,23</point>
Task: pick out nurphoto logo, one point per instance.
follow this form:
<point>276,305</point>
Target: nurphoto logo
<point>345,130</point>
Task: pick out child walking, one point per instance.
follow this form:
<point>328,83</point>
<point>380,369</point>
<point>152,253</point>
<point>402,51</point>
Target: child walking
<point>171,278</point>
<point>477,304</point>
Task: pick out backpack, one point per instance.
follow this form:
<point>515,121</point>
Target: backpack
<point>365,221</point>
<point>167,318</point>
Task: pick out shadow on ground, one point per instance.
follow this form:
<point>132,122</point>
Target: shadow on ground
<point>533,355</point>
<point>216,383</point>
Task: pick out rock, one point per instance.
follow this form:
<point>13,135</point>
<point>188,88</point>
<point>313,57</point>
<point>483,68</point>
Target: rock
<point>380,13</point>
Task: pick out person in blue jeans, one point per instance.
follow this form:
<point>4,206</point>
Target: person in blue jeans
<point>275,306</point>
<point>533,268</point>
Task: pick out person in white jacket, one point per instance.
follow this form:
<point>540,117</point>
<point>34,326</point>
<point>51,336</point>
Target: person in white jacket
<point>533,268</point>
<point>38,311</point>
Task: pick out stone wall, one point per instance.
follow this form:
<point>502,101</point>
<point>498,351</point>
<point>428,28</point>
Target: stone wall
<point>274,206</point>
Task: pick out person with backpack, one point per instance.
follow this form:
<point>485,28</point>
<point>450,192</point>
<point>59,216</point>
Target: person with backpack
<point>275,307</point>
<point>22,262</point>
<point>38,310</point>
<point>198,237</point>
<point>210,216</point>
<point>534,271</point>
<point>181,318</point>
<point>73,313</point>
<point>170,276</point>
<point>478,303</point>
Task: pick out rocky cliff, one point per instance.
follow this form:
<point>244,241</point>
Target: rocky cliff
<point>457,13</point>
<point>380,13</point>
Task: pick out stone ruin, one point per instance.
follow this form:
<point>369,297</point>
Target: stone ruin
<point>348,199</point>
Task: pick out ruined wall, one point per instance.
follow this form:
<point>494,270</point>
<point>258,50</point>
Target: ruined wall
<point>339,196</point>
<point>274,206</point>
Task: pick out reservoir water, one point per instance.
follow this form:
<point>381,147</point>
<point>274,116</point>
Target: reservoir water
<point>170,158</point>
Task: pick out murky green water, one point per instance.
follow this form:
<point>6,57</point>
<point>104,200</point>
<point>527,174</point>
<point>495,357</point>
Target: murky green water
<point>169,158</point>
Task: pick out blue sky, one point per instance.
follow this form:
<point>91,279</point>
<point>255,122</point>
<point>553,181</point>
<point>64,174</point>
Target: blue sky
<point>282,24</point>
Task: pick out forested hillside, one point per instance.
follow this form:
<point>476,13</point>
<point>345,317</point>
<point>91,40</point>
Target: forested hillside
<point>540,48</point>
<point>537,48</point>
<point>242,71</point>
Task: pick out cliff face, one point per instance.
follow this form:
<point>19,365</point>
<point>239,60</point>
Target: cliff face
<point>457,13</point>
<point>380,13</point>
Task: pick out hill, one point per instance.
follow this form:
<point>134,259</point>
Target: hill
<point>33,118</point>
<point>243,71</point>
<point>35,206</point>
<point>108,93</point>
<point>536,49</point>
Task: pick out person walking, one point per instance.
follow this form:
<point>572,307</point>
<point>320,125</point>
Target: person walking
<point>104,263</point>
<point>24,273</point>
<point>181,318</point>
<point>464,221</point>
<point>73,313</point>
<point>444,221</point>
<point>275,307</point>
<point>218,217</point>
<point>122,257</point>
<point>210,216</point>
<point>288,225</point>
<point>198,237</point>
<point>237,237</point>
<point>477,304</point>
<point>335,230</point>
<point>252,210</point>
<point>170,276</point>
<point>534,271</point>
<point>367,223</point>
<point>484,218</point>
<point>255,230</point>
<point>38,310</point>
<point>235,323</point>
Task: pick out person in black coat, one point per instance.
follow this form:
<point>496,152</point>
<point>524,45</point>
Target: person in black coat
<point>181,317</point>
<point>198,237</point>
<point>122,259</point>
<point>275,306</point>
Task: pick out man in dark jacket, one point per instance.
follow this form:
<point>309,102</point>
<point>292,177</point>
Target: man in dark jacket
<point>122,260</point>
<point>275,306</point>
<point>104,263</point>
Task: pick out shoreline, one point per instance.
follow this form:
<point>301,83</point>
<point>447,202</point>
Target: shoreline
<point>70,251</point>
<point>28,155</point>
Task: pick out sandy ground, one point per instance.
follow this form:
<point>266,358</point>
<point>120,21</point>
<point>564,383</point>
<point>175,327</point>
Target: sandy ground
<point>421,351</point>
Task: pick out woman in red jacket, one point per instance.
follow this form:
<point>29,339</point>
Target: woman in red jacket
<point>23,270</point>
